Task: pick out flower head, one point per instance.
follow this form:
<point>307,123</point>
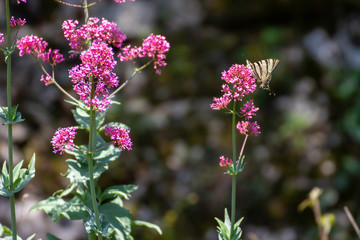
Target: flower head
<point>97,64</point>
<point>239,82</point>
<point>93,31</point>
<point>64,139</point>
<point>52,57</point>
<point>225,162</point>
<point>119,136</point>
<point>1,37</point>
<point>31,45</point>
<point>18,1</point>
<point>248,128</point>
<point>248,110</point>
<point>153,47</point>
<point>47,80</point>
<point>17,22</point>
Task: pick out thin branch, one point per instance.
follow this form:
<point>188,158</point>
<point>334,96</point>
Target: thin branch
<point>352,221</point>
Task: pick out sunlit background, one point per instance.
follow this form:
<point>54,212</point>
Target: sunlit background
<point>310,128</point>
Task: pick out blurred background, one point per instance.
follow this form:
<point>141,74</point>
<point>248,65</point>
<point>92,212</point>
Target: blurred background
<point>310,128</point>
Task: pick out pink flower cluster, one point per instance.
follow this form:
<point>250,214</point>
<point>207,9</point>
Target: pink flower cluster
<point>119,136</point>
<point>248,128</point>
<point>17,22</point>
<point>1,37</point>
<point>18,1</point>
<point>36,46</point>
<point>64,139</point>
<point>95,71</point>
<point>225,162</point>
<point>93,31</point>
<point>239,82</point>
<point>153,47</point>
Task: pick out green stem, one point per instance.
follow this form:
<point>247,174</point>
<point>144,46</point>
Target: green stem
<point>10,140</point>
<point>92,145</point>
<point>233,191</point>
<point>137,70</point>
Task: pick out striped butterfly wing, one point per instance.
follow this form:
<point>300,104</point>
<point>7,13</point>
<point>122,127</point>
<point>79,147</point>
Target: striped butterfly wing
<point>262,71</point>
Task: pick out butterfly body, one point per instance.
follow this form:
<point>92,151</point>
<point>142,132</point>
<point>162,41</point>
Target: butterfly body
<point>262,71</point>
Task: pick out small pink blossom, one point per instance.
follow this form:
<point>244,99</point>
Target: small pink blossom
<point>248,110</point>
<point>221,103</point>
<point>248,128</point>
<point>1,37</point>
<point>64,139</point>
<point>52,57</point>
<point>153,47</point>
<point>17,22</point>
<point>119,136</point>
<point>225,162</point>
<point>31,45</point>
<point>18,1</point>
<point>47,80</point>
<point>122,1</point>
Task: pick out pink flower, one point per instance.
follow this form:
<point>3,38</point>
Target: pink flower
<point>52,57</point>
<point>18,1</point>
<point>31,45</point>
<point>47,80</point>
<point>119,136</point>
<point>248,110</point>
<point>93,31</point>
<point>221,103</point>
<point>248,128</point>
<point>64,139</point>
<point>153,47</point>
<point>1,37</point>
<point>225,162</point>
<point>240,82</point>
<point>17,22</point>
<point>97,64</point>
<point>122,1</point>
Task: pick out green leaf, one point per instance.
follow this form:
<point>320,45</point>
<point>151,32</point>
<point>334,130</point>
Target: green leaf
<point>224,228</point>
<point>49,236</point>
<point>148,225</point>
<point>82,117</point>
<point>123,191</point>
<point>5,182</point>
<point>57,208</point>
<point>23,176</point>
<point>31,237</point>
<point>118,219</point>
<point>10,116</point>
<point>78,169</point>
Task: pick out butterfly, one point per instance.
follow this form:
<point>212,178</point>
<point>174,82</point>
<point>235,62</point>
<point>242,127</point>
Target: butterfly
<point>262,71</point>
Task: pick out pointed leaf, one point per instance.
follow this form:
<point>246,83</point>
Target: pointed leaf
<point>148,225</point>
<point>122,191</point>
<point>25,175</point>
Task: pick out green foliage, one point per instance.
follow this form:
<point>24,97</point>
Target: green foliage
<point>224,229</point>
<point>10,116</point>
<point>8,234</point>
<point>21,176</point>
<point>238,168</point>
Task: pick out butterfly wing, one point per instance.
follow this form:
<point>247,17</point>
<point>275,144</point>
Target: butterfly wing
<point>262,71</point>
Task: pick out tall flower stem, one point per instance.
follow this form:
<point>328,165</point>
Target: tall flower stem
<point>10,140</point>
<point>233,191</point>
<point>92,146</point>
